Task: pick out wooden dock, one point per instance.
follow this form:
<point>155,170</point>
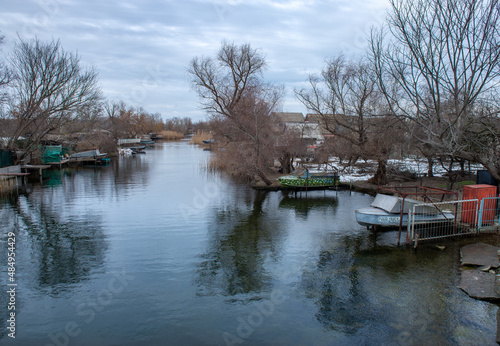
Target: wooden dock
<point>5,181</point>
<point>60,163</point>
<point>13,174</point>
<point>40,168</point>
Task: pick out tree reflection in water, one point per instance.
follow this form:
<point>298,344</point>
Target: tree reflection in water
<point>63,249</point>
<point>304,205</point>
<point>242,240</point>
<point>335,285</point>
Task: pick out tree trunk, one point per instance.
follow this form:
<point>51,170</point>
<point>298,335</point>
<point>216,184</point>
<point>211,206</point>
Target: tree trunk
<point>462,168</point>
<point>380,177</point>
<point>430,167</point>
<point>286,163</point>
<point>264,178</point>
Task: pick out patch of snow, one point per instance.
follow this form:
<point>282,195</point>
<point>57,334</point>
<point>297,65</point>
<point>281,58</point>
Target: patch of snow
<point>357,173</point>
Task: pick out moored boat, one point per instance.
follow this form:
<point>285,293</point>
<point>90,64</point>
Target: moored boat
<point>138,149</point>
<point>392,211</point>
<point>89,154</point>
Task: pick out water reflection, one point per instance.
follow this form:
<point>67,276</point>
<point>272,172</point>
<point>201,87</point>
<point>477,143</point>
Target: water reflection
<point>53,177</point>
<point>63,250</point>
<point>335,285</point>
<point>241,241</point>
<point>303,205</point>
<point>130,170</point>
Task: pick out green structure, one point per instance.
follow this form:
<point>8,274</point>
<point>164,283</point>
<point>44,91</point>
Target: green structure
<point>6,158</point>
<point>52,154</point>
<point>315,180</point>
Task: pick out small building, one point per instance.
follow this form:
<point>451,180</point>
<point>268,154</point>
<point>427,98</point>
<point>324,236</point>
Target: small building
<point>310,132</point>
<point>290,118</point>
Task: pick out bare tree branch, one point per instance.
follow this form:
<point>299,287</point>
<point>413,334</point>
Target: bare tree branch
<point>49,88</point>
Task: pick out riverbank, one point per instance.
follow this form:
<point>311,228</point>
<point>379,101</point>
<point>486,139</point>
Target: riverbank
<point>364,186</point>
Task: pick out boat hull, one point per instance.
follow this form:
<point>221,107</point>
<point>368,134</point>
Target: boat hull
<point>377,217</point>
<point>89,154</point>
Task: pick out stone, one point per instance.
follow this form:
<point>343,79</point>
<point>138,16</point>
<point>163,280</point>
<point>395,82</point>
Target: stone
<point>479,285</point>
<point>479,255</point>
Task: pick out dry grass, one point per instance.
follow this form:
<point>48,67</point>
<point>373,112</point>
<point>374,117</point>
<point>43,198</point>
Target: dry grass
<point>201,136</point>
<point>215,164</point>
<point>171,135</point>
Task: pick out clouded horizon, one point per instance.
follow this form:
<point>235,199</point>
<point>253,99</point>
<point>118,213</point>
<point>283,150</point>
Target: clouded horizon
<point>142,49</point>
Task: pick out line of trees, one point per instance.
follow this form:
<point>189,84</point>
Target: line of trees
<point>437,66</point>
<point>45,92</point>
<point>430,79</point>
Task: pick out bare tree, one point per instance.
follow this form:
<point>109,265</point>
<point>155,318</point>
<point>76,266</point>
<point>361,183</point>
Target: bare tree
<point>221,83</point>
<point>482,139</point>
<point>348,102</point>
<point>232,91</point>
<point>182,125</point>
<point>48,90</point>
<point>5,79</point>
<point>436,61</point>
<point>127,121</point>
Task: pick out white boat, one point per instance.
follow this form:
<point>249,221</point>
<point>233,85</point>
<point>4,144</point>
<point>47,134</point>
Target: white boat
<point>392,211</point>
<point>89,154</point>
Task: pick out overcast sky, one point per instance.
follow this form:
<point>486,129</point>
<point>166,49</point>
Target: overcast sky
<point>142,49</point>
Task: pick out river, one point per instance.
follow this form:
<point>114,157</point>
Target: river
<point>154,250</point>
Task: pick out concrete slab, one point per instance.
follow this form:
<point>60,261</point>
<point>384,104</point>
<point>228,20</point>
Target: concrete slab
<point>479,255</point>
<point>479,285</point>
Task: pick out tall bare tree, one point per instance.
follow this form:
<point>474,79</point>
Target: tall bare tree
<point>5,79</point>
<point>435,62</point>
<point>347,99</point>
<point>231,89</point>
<point>49,88</point>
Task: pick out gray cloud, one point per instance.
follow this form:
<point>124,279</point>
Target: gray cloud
<point>142,49</point>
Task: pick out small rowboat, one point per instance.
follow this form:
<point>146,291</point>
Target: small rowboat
<point>392,211</point>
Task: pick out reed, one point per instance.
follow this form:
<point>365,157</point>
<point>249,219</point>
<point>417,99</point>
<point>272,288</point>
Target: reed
<point>171,135</point>
<point>201,136</point>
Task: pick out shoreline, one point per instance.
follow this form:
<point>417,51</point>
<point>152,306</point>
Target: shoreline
<point>363,186</point>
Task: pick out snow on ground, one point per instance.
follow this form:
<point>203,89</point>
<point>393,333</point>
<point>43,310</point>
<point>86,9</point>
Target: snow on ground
<point>364,170</point>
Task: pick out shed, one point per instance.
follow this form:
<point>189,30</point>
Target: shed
<point>290,118</point>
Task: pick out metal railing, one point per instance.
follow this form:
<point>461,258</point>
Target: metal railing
<point>488,216</point>
<point>429,221</point>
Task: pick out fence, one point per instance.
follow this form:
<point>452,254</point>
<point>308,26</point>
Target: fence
<point>488,216</point>
<point>450,219</point>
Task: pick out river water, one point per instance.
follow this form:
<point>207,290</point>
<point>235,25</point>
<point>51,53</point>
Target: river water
<point>154,250</point>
